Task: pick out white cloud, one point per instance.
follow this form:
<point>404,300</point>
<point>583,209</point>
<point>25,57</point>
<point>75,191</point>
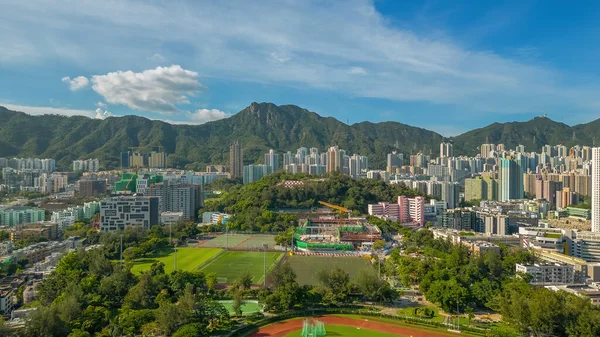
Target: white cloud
<point>42,110</point>
<point>77,83</point>
<point>101,104</point>
<point>156,90</point>
<point>103,114</point>
<point>399,64</point>
<point>280,57</point>
<point>357,71</point>
<point>157,58</point>
<point>207,115</point>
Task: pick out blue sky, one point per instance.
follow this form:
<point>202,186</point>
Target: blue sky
<point>449,66</point>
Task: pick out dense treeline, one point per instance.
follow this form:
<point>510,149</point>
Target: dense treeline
<point>256,205</point>
<point>90,295</point>
<point>458,281</point>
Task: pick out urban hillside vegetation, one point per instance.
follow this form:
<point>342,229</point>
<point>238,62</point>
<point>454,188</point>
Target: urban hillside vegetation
<point>257,206</point>
<point>259,127</point>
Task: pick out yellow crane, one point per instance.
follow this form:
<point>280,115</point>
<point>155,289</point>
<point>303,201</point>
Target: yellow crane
<point>339,208</point>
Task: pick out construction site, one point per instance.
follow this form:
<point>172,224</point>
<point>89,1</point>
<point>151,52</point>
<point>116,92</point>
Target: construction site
<point>335,231</point>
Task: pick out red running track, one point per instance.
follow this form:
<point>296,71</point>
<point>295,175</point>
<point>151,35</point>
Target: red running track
<point>281,329</point>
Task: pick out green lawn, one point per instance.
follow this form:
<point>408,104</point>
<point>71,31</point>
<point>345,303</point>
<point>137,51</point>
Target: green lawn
<point>229,240</point>
<point>249,307</point>
<point>346,331</point>
<point>232,264</point>
<point>411,325</point>
<point>307,267</point>
<point>410,311</point>
<point>187,259</point>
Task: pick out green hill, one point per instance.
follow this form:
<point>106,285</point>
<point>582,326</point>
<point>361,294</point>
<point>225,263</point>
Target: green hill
<point>259,127</point>
<point>534,134</point>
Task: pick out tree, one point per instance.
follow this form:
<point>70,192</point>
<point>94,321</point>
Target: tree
<point>375,288</point>
<point>238,302</point>
<point>285,238</point>
<point>448,294</point>
<point>470,314</point>
<point>245,280</point>
<point>79,333</point>
<point>191,330</point>
<point>379,244</point>
<point>211,281</point>
<point>336,283</point>
<point>45,321</point>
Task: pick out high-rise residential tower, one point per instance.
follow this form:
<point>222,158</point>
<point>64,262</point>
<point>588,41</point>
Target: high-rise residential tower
<point>596,189</point>
<point>272,160</point>
<point>511,179</point>
<point>394,161</point>
<point>334,160</point>
<point>446,149</point>
<point>236,160</point>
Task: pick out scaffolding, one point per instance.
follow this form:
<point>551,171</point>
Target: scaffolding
<point>313,328</point>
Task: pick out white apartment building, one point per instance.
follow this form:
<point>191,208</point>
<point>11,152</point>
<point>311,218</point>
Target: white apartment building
<point>547,273</point>
<point>87,165</point>
<point>118,213</point>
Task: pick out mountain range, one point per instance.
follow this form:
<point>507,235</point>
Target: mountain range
<point>258,127</point>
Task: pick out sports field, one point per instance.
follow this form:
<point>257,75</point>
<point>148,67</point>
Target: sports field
<point>343,325</point>
<point>257,242</point>
<point>229,240</point>
<point>346,331</point>
<point>307,267</point>
<point>187,259</point>
<point>241,241</point>
<point>230,265</point>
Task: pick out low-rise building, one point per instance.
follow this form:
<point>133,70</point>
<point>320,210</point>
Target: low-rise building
<point>170,218</point>
<point>6,247</point>
<point>581,290</point>
<point>47,230</point>
<point>479,248</point>
<point>547,273</point>
<point>6,300</point>
<point>215,217</point>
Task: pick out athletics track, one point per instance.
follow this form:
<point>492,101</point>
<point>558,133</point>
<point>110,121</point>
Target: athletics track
<point>281,329</point>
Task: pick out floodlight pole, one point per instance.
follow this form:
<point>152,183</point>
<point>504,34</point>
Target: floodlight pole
<point>265,246</point>
<point>175,256</point>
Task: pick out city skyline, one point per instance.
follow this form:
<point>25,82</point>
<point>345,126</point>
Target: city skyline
<point>423,60</point>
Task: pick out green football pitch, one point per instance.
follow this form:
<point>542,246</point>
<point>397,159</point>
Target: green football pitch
<point>346,331</point>
<point>187,259</point>
<point>307,267</point>
<point>230,265</point>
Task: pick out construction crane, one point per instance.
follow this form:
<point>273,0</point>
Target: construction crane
<point>339,208</point>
